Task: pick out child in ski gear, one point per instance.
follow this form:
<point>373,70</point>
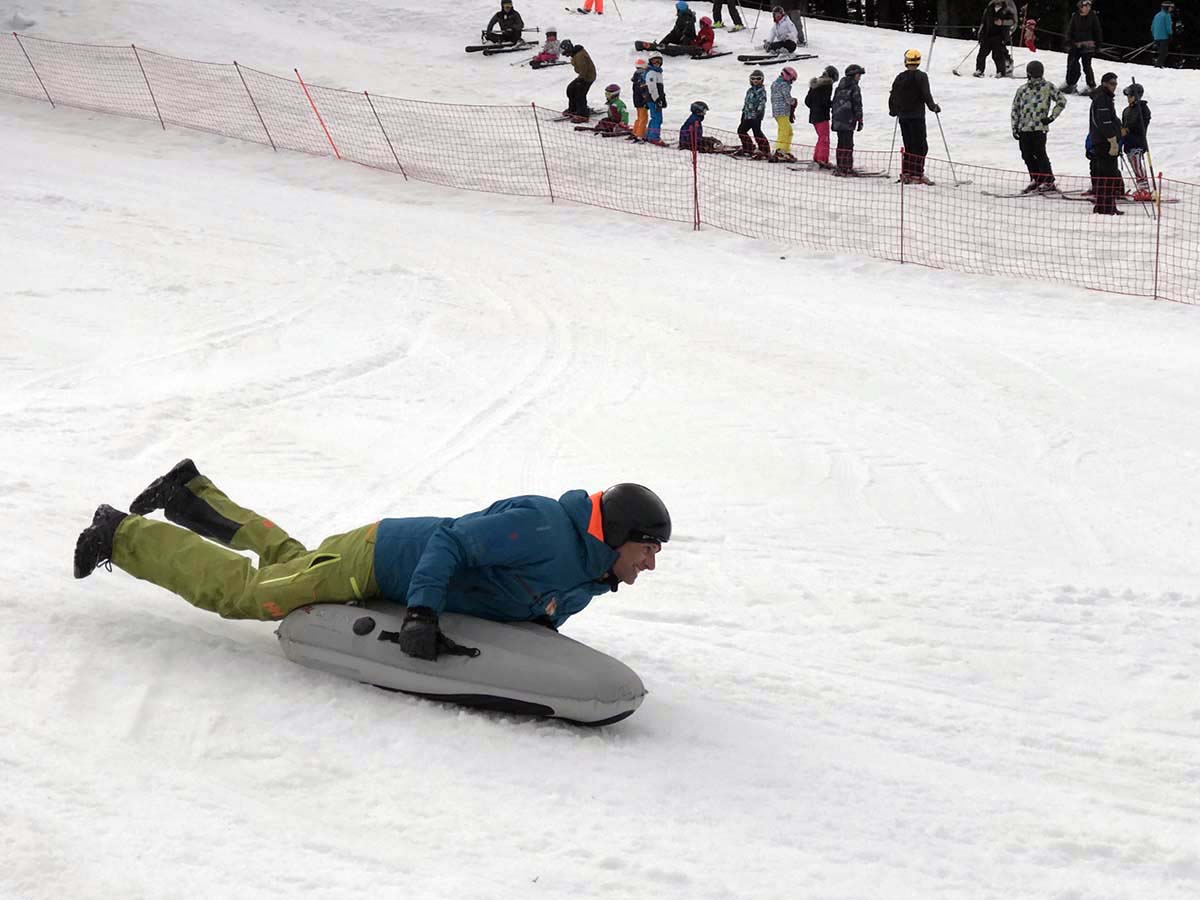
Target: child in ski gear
<point>521,559</point>
<point>1161,30</point>
<point>684,30</point>
<point>656,98</point>
<point>847,116</point>
<point>509,24</point>
<point>819,101</point>
<point>994,31</point>
<point>641,99</point>
<point>705,37</point>
<point>617,118</point>
<point>585,74</point>
<point>1083,39</point>
<point>1031,118</point>
<point>754,107</point>
<point>1105,133</point>
<point>1135,120</point>
<point>783,34</point>
<point>909,99</point>
<point>733,11</point>
<point>783,108</point>
<point>550,50</point>
<point>691,135</point>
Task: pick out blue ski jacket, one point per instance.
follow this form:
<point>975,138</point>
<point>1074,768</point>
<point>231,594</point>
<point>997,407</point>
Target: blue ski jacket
<point>517,560</point>
<point>692,132</point>
<point>1162,27</point>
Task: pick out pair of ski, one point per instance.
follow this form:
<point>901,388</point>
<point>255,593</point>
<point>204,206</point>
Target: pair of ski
<point>770,59</point>
<point>1068,195</point>
<point>502,47</point>
<point>643,46</point>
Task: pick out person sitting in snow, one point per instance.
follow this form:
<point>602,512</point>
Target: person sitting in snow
<point>550,50</point>
<point>783,36</point>
<point>617,118</point>
<point>683,32</point>
<point>524,559</point>
<point>691,135</point>
<point>508,23</point>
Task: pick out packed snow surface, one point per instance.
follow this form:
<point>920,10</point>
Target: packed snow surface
<point>928,627</point>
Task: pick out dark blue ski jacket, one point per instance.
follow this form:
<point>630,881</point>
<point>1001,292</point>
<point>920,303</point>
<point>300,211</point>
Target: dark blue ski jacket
<point>517,560</point>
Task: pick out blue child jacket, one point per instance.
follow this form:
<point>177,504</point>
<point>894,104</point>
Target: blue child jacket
<point>515,561</point>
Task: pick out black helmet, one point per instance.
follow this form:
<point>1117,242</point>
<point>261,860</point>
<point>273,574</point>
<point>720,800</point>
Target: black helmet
<point>630,512</point>
<point>831,72</point>
<point>699,108</point>
<point>855,69</point>
<point>565,47</point>
<point>1035,69</point>
<point>1134,90</point>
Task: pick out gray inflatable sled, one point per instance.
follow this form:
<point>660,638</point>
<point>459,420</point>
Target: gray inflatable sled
<point>521,667</point>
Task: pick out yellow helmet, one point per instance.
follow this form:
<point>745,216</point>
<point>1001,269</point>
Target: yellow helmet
<point>912,57</point>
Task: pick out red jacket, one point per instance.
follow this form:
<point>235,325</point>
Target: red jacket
<point>705,38</point>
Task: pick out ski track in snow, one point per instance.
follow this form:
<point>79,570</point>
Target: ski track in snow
<point>928,627</point>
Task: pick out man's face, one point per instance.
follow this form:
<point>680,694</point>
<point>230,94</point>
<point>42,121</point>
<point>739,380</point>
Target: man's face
<point>633,558</point>
<point>1110,86</point>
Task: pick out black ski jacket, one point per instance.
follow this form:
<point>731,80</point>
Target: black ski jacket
<point>684,31</point>
<point>819,100</point>
<point>1136,119</point>
<point>910,95</point>
<point>1084,30</point>
<point>1103,122</point>
<point>988,27</point>
<point>510,22</point>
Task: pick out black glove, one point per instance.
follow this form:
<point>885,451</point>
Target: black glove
<point>1016,135</point>
<point>662,104</point>
<point>937,110</point>
<point>859,128</point>
<point>421,638</point>
<point>1046,120</point>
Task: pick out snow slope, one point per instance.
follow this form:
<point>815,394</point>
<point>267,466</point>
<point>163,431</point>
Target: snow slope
<point>928,628</point>
<point>407,49</point>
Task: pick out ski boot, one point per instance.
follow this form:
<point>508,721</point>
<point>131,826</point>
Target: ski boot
<point>1047,187</point>
<point>94,546</point>
<point>718,24</point>
<point>162,490</point>
<point>1142,196</point>
<point>979,73</point>
<point>734,28</point>
<point>1031,187</point>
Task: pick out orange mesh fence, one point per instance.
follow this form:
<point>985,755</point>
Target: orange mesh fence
<point>970,219</point>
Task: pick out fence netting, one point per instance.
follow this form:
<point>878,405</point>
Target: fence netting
<point>971,218</point>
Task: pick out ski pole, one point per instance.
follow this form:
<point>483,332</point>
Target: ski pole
<point>754,30</point>
<point>928,61</point>
<point>892,152</point>
<point>521,62</point>
<point>1129,170</point>
<point>1142,116</point>
<point>953,175</point>
<point>965,58</point>
<point>618,9</point>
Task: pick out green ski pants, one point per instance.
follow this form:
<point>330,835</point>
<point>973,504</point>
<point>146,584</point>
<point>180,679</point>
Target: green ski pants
<point>209,576</point>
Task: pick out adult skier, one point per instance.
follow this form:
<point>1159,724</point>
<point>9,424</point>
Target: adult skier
<point>507,24</point>
<point>684,30</point>
<point>585,75</point>
<point>733,12</point>
<point>783,36</point>
<point>819,101</point>
<point>522,559</point>
<point>656,99</point>
<point>550,51</point>
<point>847,117</point>
<point>641,99</point>
<point>1031,118</point>
<point>1084,35</point>
<point>995,29</point>
<point>909,99</point>
<point>1104,131</point>
<point>1161,30</point>
<point>783,108</point>
<point>754,107</point>
<point>1135,120</point>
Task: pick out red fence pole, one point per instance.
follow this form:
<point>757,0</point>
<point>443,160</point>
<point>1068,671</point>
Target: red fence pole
<point>35,71</point>
<point>270,139</point>
<point>153,100</point>
<point>315,110</point>
<point>1158,234</point>
<point>385,135</point>
<point>901,215</point>
<point>545,164</point>
<point>695,180</point>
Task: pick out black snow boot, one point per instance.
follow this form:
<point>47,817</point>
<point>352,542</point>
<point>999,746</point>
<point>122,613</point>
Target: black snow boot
<point>163,489</point>
<point>94,546</point>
